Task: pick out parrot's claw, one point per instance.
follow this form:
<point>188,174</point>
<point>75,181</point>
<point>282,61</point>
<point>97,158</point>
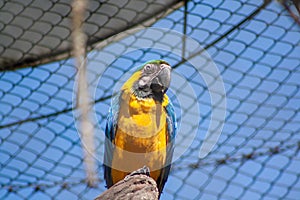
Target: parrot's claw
<point>144,170</point>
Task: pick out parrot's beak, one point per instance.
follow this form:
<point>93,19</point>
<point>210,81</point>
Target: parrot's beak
<point>161,82</point>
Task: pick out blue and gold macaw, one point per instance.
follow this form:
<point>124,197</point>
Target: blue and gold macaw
<point>141,126</point>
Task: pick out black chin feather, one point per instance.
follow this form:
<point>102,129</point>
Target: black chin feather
<point>158,96</point>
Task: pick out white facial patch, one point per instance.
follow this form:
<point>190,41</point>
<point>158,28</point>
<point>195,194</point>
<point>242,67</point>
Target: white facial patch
<point>144,81</point>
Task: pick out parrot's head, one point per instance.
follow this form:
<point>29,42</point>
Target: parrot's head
<point>152,80</point>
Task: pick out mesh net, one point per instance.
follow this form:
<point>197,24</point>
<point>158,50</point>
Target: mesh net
<point>255,46</point>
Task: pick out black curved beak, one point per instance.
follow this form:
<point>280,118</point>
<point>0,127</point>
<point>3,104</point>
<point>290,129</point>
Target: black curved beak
<point>161,82</point>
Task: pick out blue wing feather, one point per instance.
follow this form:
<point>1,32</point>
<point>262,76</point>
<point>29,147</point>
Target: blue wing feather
<point>172,128</point>
<point>171,121</point>
<point>110,131</point>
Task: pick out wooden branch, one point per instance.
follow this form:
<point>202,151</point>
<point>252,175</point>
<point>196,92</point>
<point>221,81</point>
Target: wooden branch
<point>137,185</point>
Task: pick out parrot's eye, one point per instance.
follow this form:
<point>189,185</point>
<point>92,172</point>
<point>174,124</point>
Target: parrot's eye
<point>148,68</point>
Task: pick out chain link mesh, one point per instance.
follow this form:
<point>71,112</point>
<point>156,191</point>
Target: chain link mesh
<point>256,47</point>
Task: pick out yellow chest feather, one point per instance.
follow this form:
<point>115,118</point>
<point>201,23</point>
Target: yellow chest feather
<point>141,137</point>
<point>141,125</point>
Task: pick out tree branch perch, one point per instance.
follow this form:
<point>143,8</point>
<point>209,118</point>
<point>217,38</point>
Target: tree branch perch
<point>135,186</point>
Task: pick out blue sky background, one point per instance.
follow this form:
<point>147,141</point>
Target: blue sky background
<point>260,66</point>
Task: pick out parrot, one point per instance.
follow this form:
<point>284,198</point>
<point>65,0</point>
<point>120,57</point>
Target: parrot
<point>141,126</point>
